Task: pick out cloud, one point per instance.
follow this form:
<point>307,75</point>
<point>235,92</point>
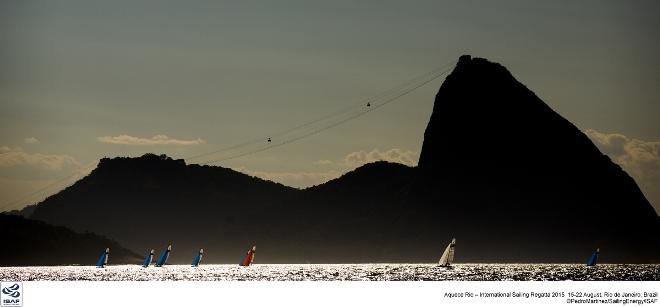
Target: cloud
<point>31,140</point>
<point>323,162</point>
<point>397,155</point>
<point>17,157</point>
<point>350,161</point>
<point>156,140</point>
<point>640,158</point>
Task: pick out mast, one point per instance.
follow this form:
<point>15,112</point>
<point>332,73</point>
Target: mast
<point>249,257</point>
<point>163,257</point>
<point>103,260</point>
<point>594,258</point>
<point>448,255</point>
<point>148,259</point>
<point>198,258</point>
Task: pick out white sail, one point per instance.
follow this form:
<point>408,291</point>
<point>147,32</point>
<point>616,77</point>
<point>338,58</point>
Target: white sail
<point>448,256</point>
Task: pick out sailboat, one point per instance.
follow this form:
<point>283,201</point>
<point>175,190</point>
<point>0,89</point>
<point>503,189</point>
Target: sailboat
<point>594,258</point>
<point>103,260</point>
<point>163,257</point>
<point>448,256</point>
<point>249,257</point>
<point>148,259</point>
<point>198,258</point>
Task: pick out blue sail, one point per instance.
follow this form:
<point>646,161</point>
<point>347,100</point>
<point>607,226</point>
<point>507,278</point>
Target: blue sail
<point>103,260</point>
<point>198,258</point>
<point>594,258</point>
<point>148,259</point>
<point>163,257</point>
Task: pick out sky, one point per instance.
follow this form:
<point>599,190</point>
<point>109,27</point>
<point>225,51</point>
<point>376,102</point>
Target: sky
<point>82,80</point>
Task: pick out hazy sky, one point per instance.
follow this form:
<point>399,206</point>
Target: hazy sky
<point>81,80</point>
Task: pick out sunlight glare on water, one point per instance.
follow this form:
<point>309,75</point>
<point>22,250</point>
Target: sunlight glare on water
<point>332,272</point>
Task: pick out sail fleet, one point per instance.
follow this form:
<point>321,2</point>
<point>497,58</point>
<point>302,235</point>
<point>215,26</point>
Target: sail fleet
<point>162,258</point>
<point>446,260</point>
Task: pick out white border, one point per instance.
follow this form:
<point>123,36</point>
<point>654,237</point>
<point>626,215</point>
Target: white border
<point>318,293</point>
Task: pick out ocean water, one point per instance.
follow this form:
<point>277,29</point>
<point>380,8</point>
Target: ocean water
<point>333,272</point>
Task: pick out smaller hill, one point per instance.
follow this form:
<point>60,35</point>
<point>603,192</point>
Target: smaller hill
<point>34,243</point>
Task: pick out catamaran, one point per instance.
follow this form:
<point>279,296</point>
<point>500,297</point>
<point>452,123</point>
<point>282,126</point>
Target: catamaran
<point>594,258</point>
<point>163,257</point>
<point>448,256</point>
<point>249,257</point>
<point>148,259</point>
<point>103,260</point>
<point>198,258</point>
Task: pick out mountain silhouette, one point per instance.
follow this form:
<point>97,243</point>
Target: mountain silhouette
<point>29,242</point>
<point>148,202</point>
<point>504,172</point>
<point>499,170</point>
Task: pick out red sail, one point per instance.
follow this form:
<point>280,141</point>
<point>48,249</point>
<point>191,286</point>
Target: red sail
<point>249,257</point>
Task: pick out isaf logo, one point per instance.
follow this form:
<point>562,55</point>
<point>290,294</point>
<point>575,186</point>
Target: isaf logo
<point>11,294</point>
<point>12,291</point>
